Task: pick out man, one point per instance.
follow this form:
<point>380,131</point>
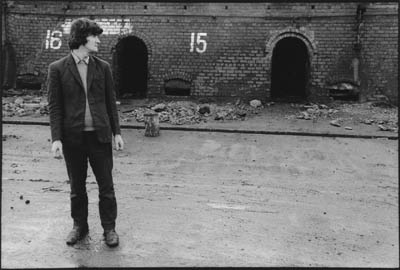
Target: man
<point>83,118</point>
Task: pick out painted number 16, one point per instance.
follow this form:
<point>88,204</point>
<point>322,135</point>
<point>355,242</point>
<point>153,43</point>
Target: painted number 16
<point>201,44</point>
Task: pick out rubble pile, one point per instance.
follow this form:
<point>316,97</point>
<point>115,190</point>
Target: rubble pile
<point>180,113</point>
<point>382,115</point>
<point>313,111</point>
<point>25,106</point>
<point>379,114</point>
<point>186,112</point>
<point>237,111</point>
<point>176,115</point>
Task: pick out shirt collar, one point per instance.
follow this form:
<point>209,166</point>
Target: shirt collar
<point>78,60</point>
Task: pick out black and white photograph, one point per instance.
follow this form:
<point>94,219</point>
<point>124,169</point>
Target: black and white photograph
<point>199,134</point>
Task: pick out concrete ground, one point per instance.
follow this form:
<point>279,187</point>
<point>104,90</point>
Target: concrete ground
<point>210,199</point>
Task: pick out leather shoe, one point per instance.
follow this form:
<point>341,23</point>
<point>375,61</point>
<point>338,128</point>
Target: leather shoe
<point>77,233</point>
<point>111,237</point>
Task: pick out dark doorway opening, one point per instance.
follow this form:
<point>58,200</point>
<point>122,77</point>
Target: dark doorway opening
<point>290,68</point>
<point>131,58</point>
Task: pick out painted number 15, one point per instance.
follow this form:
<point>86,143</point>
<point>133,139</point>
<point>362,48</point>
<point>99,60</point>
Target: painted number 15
<point>201,44</point>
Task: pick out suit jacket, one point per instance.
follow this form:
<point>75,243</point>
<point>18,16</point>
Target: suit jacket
<point>67,100</point>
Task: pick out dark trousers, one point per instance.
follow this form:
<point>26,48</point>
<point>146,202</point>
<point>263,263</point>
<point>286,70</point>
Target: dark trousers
<point>100,159</point>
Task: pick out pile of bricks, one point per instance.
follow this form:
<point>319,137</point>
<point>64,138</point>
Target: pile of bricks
<point>315,111</point>
<point>24,106</point>
<point>180,113</point>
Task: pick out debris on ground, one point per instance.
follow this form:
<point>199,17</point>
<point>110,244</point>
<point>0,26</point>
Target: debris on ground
<point>382,104</point>
<point>188,112</point>
<point>379,113</point>
<point>5,137</point>
<point>25,105</point>
<point>369,113</point>
<point>385,128</point>
<point>367,121</point>
<point>159,107</point>
<point>314,111</point>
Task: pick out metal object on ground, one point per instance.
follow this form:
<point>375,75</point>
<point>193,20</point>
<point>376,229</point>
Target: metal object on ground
<point>151,125</point>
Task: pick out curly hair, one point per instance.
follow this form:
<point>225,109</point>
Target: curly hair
<point>80,29</point>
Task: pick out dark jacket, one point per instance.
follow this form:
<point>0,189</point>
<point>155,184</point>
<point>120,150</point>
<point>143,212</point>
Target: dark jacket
<point>67,100</point>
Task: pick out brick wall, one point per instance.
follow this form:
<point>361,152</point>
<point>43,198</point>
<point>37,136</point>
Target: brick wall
<point>240,40</point>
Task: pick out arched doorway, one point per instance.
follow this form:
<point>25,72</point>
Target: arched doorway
<point>290,70</point>
<point>130,63</point>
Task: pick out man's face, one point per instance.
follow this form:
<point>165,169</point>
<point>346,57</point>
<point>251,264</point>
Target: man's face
<point>92,43</point>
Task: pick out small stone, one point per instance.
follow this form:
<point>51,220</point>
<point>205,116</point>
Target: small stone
<point>335,123</point>
<point>27,201</point>
<point>368,121</point>
<point>21,197</point>
<point>383,128</point>
<point>255,103</point>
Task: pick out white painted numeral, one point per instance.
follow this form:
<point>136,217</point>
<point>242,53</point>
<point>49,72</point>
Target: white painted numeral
<point>201,44</point>
<point>53,40</point>
<point>192,42</point>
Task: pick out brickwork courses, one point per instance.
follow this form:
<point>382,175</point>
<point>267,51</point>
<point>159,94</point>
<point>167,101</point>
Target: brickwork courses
<point>221,49</point>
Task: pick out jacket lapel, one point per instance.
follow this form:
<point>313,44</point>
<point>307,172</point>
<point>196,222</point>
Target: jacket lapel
<point>90,72</point>
<point>74,70</point>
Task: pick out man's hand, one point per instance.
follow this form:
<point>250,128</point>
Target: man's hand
<point>119,143</point>
<point>57,149</point>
